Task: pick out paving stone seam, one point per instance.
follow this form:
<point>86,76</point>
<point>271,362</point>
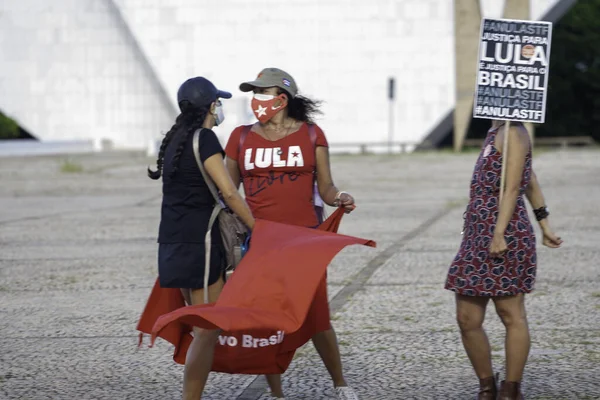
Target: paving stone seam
<point>75,290</point>
<point>139,203</point>
<point>333,283</point>
<point>70,337</point>
<point>258,385</point>
<point>120,257</point>
<point>429,283</point>
<point>84,242</point>
<point>382,331</point>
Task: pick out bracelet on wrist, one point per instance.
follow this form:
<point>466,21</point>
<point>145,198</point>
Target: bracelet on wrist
<point>336,200</point>
<point>339,193</point>
<point>541,213</point>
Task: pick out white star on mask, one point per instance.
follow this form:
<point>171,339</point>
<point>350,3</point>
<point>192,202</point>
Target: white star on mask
<point>261,111</point>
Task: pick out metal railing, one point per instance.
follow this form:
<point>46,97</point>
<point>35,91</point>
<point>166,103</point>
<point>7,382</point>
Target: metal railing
<point>372,147</point>
<point>547,141</point>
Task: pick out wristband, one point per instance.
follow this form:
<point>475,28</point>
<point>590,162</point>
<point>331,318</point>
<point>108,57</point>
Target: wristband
<point>541,213</point>
<point>336,200</point>
<point>339,193</point>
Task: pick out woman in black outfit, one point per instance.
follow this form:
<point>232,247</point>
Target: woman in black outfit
<point>186,208</point>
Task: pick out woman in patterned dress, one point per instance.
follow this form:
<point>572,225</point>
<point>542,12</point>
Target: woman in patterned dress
<point>497,257</point>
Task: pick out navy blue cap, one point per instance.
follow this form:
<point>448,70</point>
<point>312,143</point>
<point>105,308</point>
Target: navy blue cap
<point>199,92</point>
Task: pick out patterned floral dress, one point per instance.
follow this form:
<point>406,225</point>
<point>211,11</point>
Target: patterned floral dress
<point>474,272</point>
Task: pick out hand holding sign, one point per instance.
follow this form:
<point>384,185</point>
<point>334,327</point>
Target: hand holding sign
<point>512,74</point>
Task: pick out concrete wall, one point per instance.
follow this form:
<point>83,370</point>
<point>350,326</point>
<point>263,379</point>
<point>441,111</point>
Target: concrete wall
<point>77,68</point>
<point>68,71</point>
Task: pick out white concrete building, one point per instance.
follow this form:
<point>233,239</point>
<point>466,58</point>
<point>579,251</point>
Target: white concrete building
<point>110,69</point>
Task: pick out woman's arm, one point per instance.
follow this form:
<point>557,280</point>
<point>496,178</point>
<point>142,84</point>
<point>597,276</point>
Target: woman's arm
<point>536,199</point>
<point>221,176</point>
<point>518,146</point>
<point>234,171</point>
<point>327,190</point>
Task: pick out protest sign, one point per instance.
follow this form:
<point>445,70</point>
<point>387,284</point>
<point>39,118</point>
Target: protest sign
<point>512,72</point>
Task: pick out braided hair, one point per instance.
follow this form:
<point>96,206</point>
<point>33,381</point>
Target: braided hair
<point>194,123</point>
<point>190,119</point>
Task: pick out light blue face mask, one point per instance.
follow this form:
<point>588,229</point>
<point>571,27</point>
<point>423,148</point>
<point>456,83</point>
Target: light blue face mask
<point>219,115</point>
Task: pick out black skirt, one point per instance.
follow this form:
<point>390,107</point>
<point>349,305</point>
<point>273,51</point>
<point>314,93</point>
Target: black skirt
<point>181,265</point>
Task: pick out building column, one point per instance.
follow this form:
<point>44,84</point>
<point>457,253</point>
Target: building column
<point>467,26</point>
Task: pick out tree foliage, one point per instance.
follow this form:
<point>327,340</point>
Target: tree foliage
<point>573,99</point>
<point>573,102</point>
<point>9,129</point>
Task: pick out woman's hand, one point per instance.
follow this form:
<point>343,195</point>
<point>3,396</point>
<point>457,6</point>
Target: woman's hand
<point>345,200</point>
<point>498,246</point>
<point>551,240</point>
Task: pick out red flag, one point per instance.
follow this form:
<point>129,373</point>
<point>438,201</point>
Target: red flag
<point>274,302</point>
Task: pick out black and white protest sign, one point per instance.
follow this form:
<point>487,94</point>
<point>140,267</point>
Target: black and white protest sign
<point>512,74</point>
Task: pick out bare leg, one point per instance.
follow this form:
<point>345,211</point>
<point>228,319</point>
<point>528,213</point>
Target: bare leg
<point>198,363</point>
<point>274,382</point>
<point>326,344</point>
<point>199,358</point>
<point>187,295</point>
<point>470,313</point>
<point>511,310</point>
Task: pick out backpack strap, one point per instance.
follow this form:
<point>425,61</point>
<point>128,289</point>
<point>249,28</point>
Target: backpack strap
<point>207,179</point>
<point>215,213</point>
<point>313,135</point>
<point>245,132</point>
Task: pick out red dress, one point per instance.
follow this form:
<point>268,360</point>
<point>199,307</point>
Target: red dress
<point>278,179</point>
<point>473,272</point>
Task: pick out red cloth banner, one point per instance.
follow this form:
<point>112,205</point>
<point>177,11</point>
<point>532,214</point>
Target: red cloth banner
<point>269,307</point>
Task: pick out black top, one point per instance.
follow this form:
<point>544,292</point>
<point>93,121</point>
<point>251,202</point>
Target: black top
<point>187,202</point>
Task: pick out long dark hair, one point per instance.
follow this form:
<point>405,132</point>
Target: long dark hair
<point>190,119</point>
<point>302,108</point>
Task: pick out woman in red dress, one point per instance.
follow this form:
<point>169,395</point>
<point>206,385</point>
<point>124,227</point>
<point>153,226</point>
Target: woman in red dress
<point>279,159</point>
<point>497,257</point>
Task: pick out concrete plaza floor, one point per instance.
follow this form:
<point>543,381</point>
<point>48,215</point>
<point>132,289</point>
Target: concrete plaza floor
<point>78,259</point>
